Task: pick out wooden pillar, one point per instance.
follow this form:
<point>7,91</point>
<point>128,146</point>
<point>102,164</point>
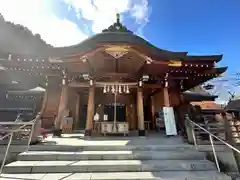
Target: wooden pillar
<point>76,122</point>
<point>153,113</point>
<point>62,108</point>
<point>128,115</point>
<point>166,97</point>
<point>44,102</point>
<point>169,116</point>
<point>38,123</point>
<point>38,119</point>
<point>90,112</point>
<point>140,112</point>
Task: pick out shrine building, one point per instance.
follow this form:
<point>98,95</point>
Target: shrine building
<point>114,80</point>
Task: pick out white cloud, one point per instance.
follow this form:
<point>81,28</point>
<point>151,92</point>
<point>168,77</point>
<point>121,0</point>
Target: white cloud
<point>102,13</point>
<point>140,11</point>
<point>38,16</point>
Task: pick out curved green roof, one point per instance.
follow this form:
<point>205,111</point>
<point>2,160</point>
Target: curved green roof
<point>114,38</point>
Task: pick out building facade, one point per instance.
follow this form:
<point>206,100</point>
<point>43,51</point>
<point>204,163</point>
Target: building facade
<point>115,76</point>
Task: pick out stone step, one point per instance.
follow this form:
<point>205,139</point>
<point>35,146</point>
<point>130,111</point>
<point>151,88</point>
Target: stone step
<point>109,155</point>
<point>14,142</point>
<point>13,148</point>
<point>108,166</point>
<point>165,175</point>
<point>180,147</point>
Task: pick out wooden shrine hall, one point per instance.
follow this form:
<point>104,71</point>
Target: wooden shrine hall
<point>113,82</point>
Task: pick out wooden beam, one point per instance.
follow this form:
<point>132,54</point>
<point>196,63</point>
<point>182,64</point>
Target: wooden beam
<point>153,86</point>
<point>77,84</point>
<point>85,85</point>
<point>140,112</point>
<point>90,112</point>
<point>76,122</point>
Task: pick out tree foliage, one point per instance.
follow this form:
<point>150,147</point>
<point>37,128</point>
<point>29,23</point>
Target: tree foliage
<point>199,89</point>
<point>15,38</point>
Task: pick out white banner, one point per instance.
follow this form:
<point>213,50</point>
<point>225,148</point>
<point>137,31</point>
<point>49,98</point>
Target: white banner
<point>169,119</point>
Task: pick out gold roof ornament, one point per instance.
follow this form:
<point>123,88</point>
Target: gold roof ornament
<point>117,26</point>
<point>118,18</point>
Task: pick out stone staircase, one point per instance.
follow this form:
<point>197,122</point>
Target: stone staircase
<point>110,162</point>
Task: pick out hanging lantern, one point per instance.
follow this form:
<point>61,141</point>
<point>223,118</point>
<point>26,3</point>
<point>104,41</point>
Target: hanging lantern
<point>105,89</point>
<point>127,90</point>
<point>91,82</point>
<point>166,83</point>
<point>113,89</point>
<point>181,84</point>
<point>116,88</point>
<point>63,81</point>
<point>120,89</point>
<point>124,88</point>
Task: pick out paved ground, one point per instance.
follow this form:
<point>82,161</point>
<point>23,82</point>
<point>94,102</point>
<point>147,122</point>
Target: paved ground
<point>153,139</point>
<point>77,139</point>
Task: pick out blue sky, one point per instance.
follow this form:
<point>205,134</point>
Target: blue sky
<point>200,27</point>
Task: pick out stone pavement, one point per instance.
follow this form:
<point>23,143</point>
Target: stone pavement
<point>112,158</point>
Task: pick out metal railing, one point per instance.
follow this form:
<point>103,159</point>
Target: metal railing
<point>10,133</point>
<point>211,137</point>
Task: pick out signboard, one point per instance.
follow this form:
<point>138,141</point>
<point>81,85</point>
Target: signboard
<point>68,120</point>
<point>160,119</point>
<point>169,119</point>
<point>96,117</point>
<point>105,117</point>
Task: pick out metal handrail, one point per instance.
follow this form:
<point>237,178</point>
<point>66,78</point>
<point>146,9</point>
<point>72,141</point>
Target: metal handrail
<point>11,132</point>
<point>24,124</point>
<point>211,136</point>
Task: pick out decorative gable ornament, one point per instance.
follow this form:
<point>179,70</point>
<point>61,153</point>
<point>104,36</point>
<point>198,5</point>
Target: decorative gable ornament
<point>116,51</point>
<point>175,63</point>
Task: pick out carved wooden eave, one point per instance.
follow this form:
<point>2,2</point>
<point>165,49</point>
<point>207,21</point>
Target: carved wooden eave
<point>204,76</point>
<point>212,58</point>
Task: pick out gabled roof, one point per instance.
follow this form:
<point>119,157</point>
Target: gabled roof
<point>207,105</point>
<point>234,104</point>
<point>215,58</point>
<point>194,96</point>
